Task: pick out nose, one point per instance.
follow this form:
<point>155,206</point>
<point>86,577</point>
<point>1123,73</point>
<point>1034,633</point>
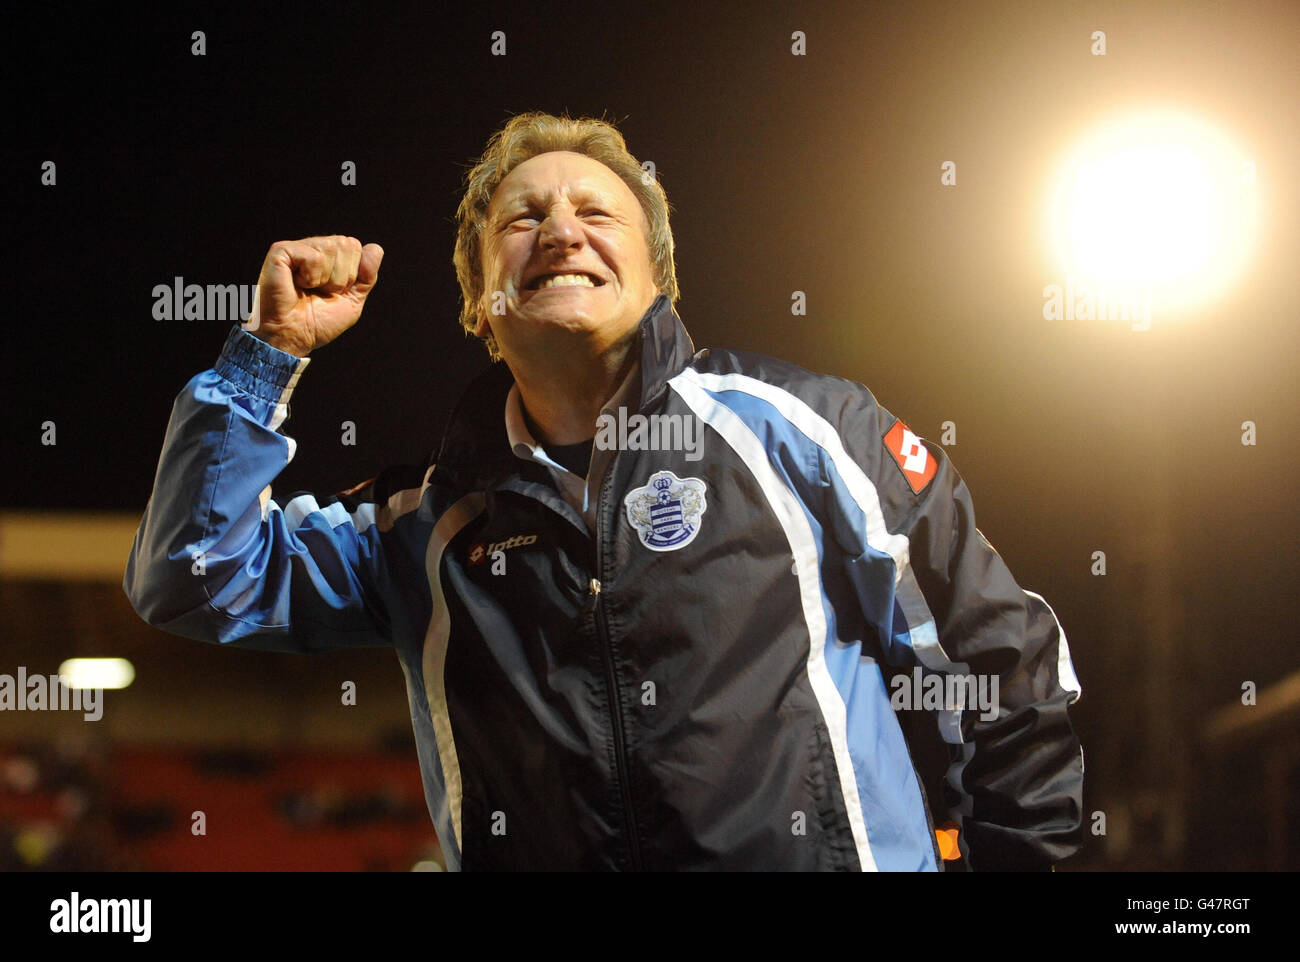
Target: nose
<point>560,232</point>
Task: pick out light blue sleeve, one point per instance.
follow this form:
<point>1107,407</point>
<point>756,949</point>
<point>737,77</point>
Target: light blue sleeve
<point>217,559</point>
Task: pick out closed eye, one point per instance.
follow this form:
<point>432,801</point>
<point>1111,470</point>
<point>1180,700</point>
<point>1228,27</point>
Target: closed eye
<point>537,216</point>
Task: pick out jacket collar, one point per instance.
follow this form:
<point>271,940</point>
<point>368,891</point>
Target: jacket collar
<point>475,452</point>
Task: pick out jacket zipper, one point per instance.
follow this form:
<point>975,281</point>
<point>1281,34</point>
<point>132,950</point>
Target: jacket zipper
<point>611,684</point>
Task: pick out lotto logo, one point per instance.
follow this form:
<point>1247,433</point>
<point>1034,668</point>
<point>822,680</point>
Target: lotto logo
<point>911,456</point>
<point>480,552</point>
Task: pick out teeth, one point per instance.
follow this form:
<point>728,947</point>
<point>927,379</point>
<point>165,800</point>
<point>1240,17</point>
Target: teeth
<point>566,280</point>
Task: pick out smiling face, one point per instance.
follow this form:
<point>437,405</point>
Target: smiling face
<point>565,242</point>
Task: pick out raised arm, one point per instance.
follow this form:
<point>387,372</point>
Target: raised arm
<point>215,557</point>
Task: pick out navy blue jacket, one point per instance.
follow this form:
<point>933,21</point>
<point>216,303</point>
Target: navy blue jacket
<point>703,683</point>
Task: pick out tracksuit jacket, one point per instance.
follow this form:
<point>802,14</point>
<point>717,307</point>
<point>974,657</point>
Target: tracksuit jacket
<point>703,684</point>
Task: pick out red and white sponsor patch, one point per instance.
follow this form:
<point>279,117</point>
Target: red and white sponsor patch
<point>917,464</point>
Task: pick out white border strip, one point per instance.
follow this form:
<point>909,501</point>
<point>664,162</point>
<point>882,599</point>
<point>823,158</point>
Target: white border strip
<point>434,660</point>
<point>368,513</point>
<point>920,622</point>
<point>818,430</point>
<point>1066,677</point>
<point>281,412</point>
<point>798,533</point>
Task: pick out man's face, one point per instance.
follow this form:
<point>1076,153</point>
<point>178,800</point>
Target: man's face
<point>555,214</point>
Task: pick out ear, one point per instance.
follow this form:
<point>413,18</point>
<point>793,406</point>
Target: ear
<point>482,329</point>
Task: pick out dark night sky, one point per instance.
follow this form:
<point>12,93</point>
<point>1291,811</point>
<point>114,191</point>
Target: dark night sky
<point>816,173</point>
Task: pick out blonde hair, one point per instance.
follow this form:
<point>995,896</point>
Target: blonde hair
<point>525,136</point>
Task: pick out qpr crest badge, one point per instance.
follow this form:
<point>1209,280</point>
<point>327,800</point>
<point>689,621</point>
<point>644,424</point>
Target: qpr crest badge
<point>666,510</point>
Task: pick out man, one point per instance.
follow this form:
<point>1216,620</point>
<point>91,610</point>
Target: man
<point>642,596</point>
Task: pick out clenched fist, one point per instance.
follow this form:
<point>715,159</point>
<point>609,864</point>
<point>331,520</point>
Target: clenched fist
<point>312,290</point>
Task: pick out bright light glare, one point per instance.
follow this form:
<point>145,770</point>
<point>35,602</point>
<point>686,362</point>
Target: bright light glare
<point>1155,200</point>
<point>97,673</point>
<point>1145,214</point>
